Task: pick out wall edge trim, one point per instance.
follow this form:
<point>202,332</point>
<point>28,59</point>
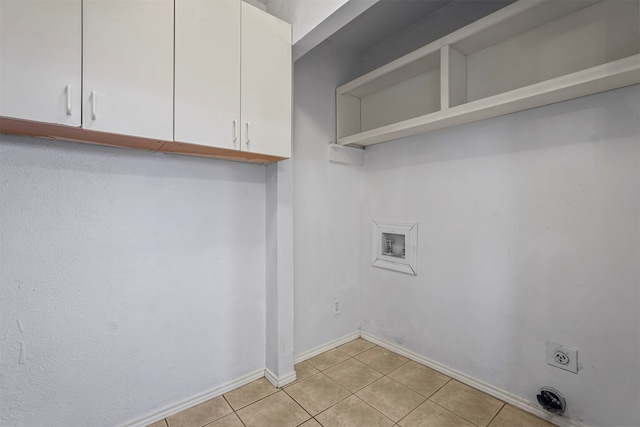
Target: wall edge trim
<point>487,388</point>
<point>195,400</point>
<point>279,381</point>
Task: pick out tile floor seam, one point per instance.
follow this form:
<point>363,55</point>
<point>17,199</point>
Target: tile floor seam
<point>496,415</point>
<point>262,398</point>
<point>401,365</point>
<point>449,410</point>
<point>266,397</point>
<point>363,401</point>
<point>406,386</point>
<point>325,410</point>
<point>227,400</point>
<point>329,407</point>
<point>375,409</point>
<point>435,391</point>
<point>415,409</point>
<point>410,412</point>
<point>424,399</point>
<point>241,421</point>
<point>299,404</point>
<point>215,421</point>
<point>458,415</point>
<point>366,385</point>
<point>387,374</point>
<point>305,421</point>
<point>332,366</point>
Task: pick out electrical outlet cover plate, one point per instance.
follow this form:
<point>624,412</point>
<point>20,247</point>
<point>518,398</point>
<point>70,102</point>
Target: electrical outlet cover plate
<point>562,357</point>
<point>336,306</point>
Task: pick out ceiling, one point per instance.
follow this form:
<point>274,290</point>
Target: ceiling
<point>382,20</point>
<point>388,18</point>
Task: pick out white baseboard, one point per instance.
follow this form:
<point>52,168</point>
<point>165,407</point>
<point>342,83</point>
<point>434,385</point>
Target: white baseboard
<point>279,381</point>
<point>328,346</point>
<point>489,389</point>
<point>196,400</point>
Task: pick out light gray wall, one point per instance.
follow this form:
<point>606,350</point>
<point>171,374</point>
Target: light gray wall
<point>529,232</point>
<point>130,281</point>
<point>326,204</point>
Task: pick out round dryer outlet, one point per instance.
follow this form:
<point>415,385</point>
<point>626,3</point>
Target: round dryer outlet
<point>561,357</point>
<point>552,400</point>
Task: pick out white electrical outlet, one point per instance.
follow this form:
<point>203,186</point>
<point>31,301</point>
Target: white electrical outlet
<point>562,357</point>
<point>336,305</point>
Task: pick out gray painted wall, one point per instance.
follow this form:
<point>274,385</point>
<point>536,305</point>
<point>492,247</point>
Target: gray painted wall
<point>129,281</point>
<point>529,232</point>
<point>326,204</point>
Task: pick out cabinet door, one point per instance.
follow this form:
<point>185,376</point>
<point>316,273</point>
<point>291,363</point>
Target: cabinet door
<point>265,83</point>
<point>128,67</point>
<point>40,60</point>
<point>207,72</point>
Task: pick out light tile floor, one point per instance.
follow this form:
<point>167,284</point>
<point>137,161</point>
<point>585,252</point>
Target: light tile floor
<point>358,384</point>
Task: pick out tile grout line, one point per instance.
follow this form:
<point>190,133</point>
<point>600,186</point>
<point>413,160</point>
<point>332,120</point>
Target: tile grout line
<point>228,403</point>
<point>330,379</point>
<point>496,415</point>
<point>409,388</point>
<point>320,371</point>
<point>256,401</point>
<point>395,423</point>
<point>428,399</point>
<point>375,409</point>
<point>236,413</point>
<point>460,416</point>
<point>420,404</point>
<point>383,376</point>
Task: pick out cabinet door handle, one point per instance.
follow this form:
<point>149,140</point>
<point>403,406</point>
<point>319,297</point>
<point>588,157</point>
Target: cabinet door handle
<point>93,105</point>
<point>248,132</point>
<point>68,100</point>
<point>235,130</point>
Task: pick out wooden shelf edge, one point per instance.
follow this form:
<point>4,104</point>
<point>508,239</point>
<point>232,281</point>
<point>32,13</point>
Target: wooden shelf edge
<point>173,147</point>
<point>35,129</point>
<point>613,75</point>
<point>12,126</point>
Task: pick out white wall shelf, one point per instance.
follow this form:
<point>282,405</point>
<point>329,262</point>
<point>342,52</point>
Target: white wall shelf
<point>529,54</point>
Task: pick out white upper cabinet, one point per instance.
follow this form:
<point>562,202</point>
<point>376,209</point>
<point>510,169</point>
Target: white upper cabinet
<point>266,83</point>
<point>40,60</point>
<point>128,67</point>
<point>232,77</point>
<point>207,72</point>
<point>200,77</point>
